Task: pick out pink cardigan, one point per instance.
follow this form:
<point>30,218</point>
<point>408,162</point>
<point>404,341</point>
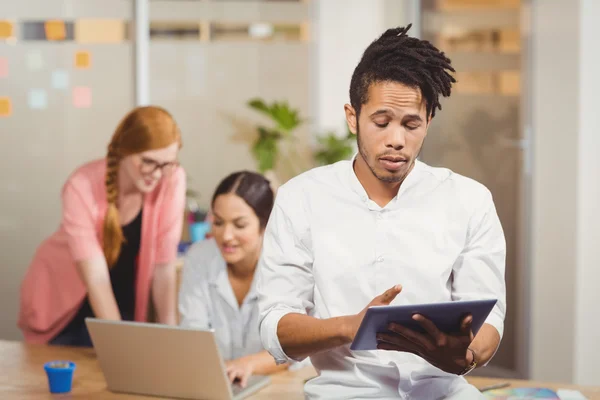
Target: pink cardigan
<point>52,291</point>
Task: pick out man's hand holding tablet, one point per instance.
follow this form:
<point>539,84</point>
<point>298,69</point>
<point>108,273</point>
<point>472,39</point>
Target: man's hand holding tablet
<point>444,343</point>
<point>448,352</point>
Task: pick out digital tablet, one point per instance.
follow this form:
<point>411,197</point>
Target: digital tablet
<point>446,316</point>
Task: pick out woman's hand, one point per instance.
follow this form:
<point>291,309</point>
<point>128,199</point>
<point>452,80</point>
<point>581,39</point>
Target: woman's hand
<point>239,370</point>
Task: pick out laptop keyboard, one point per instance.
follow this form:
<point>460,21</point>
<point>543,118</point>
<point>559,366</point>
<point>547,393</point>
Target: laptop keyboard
<point>237,389</point>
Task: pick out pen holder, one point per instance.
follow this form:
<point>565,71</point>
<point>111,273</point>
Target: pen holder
<point>60,376</point>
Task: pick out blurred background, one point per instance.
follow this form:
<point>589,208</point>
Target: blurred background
<point>248,79</point>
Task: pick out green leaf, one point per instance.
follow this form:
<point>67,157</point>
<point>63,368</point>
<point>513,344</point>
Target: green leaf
<point>259,105</point>
<point>285,117</point>
<point>333,149</point>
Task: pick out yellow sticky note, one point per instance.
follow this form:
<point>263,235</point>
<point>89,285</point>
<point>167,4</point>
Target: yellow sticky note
<point>6,30</point>
<point>83,60</point>
<point>99,30</point>
<point>5,107</point>
<point>55,30</point>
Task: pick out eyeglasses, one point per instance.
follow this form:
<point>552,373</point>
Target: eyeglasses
<point>149,166</point>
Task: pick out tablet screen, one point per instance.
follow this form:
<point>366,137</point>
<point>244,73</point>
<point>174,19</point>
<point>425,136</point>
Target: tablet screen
<point>446,316</point>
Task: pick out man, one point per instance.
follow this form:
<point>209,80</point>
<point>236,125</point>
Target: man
<point>383,228</point>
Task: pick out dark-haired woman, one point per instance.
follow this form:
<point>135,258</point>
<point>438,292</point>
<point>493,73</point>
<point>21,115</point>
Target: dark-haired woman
<point>218,287</point>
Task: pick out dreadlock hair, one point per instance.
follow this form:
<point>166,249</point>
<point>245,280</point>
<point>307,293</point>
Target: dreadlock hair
<point>397,57</point>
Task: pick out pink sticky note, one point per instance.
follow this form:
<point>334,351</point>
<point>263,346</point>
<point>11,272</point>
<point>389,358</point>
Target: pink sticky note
<point>3,67</point>
<point>82,97</point>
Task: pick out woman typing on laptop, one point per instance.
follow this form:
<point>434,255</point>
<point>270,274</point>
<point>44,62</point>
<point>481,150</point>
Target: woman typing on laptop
<point>218,287</point>
<point>117,242</point>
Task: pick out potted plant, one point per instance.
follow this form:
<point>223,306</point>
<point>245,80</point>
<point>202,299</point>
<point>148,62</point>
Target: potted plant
<point>267,148</point>
<point>333,148</point>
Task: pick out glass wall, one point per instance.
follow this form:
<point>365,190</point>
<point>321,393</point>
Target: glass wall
<point>66,73</point>
<point>478,133</point>
<point>209,58</point>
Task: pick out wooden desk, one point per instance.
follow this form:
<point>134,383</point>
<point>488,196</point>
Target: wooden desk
<point>22,377</point>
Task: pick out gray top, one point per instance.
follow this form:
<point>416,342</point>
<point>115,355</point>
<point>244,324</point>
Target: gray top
<point>207,301</point>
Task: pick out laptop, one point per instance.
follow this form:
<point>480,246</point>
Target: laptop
<point>166,361</point>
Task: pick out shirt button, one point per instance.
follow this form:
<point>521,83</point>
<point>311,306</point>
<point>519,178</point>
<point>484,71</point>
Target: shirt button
<point>379,259</point>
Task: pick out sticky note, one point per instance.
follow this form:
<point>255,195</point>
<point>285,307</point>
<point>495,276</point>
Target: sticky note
<point>100,30</point>
<point>55,30</point>
<point>38,99</point>
<point>5,107</point>
<point>82,97</point>
<point>6,30</point>
<point>34,60</point>
<point>3,67</point>
<point>60,79</point>
<point>83,60</point>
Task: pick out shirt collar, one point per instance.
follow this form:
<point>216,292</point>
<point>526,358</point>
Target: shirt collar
<point>409,182</point>
<point>220,281</point>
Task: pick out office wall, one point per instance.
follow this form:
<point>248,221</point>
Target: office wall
<point>51,129</point>
<point>479,134</point>
<point>342,30</point>
<point>565,192</point>
<point>206,80</point>
<point>587,345</point>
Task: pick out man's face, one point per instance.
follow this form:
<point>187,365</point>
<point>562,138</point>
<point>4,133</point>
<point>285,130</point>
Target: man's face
<point>391,129</point>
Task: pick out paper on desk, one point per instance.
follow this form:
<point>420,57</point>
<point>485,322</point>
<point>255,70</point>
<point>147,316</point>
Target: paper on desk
<point>567,394</point>
<point>522,394</point>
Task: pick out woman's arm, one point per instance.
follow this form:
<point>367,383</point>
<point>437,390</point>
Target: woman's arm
<point>254,364</point>
<point>79,222</point>
<point>164,293</point>
<point>94,274</point>
<point>193,303</point>
<point>263,363</point>
<point>164,282</point>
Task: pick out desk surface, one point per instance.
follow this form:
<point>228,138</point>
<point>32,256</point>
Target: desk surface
<point>22,376</point>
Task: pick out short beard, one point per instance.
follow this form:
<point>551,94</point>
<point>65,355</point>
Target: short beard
<point>365,155</point>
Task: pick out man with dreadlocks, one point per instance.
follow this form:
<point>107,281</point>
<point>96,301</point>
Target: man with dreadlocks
<point>382,228</point>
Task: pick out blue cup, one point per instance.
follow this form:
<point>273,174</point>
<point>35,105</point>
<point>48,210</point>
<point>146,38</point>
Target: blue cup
<point>198,231</point>
<point>60,375</point>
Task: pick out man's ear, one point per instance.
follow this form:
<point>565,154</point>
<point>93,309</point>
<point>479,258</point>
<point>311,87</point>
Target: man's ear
<point>351,118</point>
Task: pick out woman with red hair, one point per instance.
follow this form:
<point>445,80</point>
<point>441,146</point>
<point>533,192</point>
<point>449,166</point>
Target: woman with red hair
<point>117,242</point>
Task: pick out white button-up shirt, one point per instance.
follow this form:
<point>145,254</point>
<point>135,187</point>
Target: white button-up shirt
<point>207,301</point>
<point>329,250</point>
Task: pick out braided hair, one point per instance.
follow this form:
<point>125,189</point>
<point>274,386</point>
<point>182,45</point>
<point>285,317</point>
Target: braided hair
<point>397,57</point>
<point>143,129</point>
<point>113,234</point>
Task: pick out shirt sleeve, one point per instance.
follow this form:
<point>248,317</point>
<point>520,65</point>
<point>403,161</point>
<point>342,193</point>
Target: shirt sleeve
<point>170,222</point>
<point>193,299</point>
<point>79,221</point>
<point>479,270</point>
<point>285,280</point>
